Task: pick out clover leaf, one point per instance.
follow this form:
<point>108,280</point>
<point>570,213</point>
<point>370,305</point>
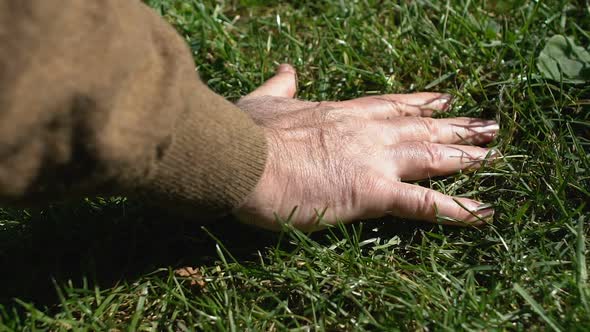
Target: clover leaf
<point>563,60</point>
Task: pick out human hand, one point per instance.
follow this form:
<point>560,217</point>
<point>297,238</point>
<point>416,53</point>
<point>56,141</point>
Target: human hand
<point>344,161</point>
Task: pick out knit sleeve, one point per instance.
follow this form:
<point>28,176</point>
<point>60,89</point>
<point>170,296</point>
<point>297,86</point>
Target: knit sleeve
<point>102,97</point>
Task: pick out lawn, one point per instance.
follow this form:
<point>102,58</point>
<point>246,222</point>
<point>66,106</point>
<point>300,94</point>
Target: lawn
<point>108,263</point>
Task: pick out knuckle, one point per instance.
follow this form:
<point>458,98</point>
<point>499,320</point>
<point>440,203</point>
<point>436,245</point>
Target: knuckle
<point>430,126</point>
<point>396,107</point>
<point>433,153</point>
<point>428,201</point>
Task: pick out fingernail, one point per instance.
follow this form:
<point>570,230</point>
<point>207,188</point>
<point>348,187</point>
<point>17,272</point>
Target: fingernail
<point>481,207</point>
<point>488,126</point>
<point>486,213</point>
<point>483,213</point>
<point>493,153</point>
<point>285,68</point>
<point>441,103</point>
<point>485,155</point>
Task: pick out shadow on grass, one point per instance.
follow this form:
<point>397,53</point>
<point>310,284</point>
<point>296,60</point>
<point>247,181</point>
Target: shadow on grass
<point>105,244</point>
<point>117,241</point>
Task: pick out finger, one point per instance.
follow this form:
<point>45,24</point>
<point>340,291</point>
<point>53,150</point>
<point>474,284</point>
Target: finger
<point>423,160</point>
<point>283,84</point>
<point>415,202</point>
<point>444,131</point>
<point>393,105</point>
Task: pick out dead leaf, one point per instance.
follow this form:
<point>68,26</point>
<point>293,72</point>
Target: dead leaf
<point>194,275</point>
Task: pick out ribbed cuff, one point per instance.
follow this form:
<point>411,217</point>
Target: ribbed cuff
<point>214,159</point>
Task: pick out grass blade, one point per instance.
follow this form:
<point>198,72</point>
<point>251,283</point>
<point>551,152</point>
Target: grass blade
<point>536,306</point>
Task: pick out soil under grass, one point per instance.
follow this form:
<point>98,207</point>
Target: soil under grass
<point>108,263</point>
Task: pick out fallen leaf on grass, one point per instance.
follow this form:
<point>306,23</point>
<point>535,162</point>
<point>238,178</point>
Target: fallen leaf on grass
<point>194,275</point>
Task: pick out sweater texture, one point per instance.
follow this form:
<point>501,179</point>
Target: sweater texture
<point>102,98</point>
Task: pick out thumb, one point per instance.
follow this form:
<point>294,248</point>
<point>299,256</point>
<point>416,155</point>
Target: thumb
<point>283,84</point>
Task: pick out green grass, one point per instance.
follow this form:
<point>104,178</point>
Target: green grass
<point>107,263</point>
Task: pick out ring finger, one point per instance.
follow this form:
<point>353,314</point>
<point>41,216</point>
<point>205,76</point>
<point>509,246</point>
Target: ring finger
<point>444,131</point>
<point>422,160</point>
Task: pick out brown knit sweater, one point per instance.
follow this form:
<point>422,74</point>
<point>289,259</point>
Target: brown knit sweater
<point>102,97</point>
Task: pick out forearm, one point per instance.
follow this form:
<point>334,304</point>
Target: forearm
<point>102,97</point>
